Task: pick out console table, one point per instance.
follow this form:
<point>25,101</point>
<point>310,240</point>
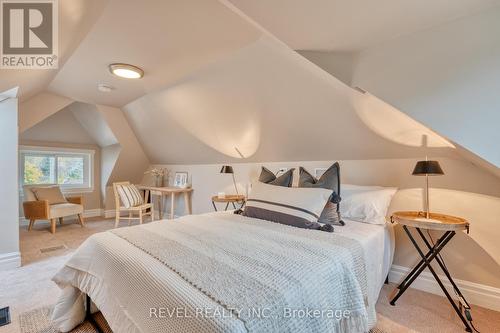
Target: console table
<point>161,192</point>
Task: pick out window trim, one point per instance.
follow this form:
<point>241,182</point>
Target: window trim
<point>57,151</point>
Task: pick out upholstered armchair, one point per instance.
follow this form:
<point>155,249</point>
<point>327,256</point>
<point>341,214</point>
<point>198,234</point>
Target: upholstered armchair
<point>48,203</point>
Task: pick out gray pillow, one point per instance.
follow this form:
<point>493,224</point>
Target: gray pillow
<point>329,180</point>
<point>268,177</point>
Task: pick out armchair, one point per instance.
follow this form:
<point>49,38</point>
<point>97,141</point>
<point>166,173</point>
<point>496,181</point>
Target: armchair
<point>42,209</point>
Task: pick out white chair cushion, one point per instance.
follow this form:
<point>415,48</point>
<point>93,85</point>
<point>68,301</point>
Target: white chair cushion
<point>129,195</point>
<point>64,209</point>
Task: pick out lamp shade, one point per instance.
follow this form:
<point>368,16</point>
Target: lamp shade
<point>226,169</point>
<point>429,168</point>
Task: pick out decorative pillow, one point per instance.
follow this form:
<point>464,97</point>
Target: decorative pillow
<point>129,195</point>
<point>330,179</point>
<point>52,194</point>
<point>368,204</point>
<point>268,177</point>
<point>298,207</point>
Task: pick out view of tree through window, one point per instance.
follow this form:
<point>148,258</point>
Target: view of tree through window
<point>39,170</point>
<point>55,168</point>
<point>70,170</point>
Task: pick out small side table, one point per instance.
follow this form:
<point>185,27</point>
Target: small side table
<point>229,199</point>
<point>440,222</point>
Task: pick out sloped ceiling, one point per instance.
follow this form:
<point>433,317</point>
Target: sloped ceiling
<point>76,17</point>
<point>266,102</point>
<point>219,87</point>
<point>167,39</point>
<point>352,25</point>
<point>446,77</point>
<point>61,127</point>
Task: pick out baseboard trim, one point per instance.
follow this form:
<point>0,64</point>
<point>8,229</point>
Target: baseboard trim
<point>10,260</point>
<point>111,214</point>
<point>475,293</point>
<point>93,212</point>
<point>86,214</point>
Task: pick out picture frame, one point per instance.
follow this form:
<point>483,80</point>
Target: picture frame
<point>181,179</point>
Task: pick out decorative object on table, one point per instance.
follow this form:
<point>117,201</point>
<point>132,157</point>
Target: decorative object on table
<point>229,169</point>
<point>159,175</point>
<point>438,222</point>
<point>268,177</point>
<point>427,168</point>
<point>329,179</point>
<point>181,179</point>
<point>229,199</point>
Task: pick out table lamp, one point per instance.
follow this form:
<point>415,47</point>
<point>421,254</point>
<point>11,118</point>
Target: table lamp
<point>427,168</point>
<point>229,169</point>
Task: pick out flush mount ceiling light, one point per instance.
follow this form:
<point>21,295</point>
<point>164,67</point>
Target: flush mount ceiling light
<point>126,71</point>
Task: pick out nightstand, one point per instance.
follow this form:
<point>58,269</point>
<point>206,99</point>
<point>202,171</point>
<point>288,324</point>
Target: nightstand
<point>447,224</point>
<point>229,199</point>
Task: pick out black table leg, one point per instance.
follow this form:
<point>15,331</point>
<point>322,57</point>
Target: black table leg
<point>426,258</point>
<point>227,205</point>
<point>215,207</point>
<point>421,265</point>
<point>88,315</point>
<point>445,270</point>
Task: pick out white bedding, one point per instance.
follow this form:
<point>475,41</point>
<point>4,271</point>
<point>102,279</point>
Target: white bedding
<point>106,266</point>
<point>378,243</point>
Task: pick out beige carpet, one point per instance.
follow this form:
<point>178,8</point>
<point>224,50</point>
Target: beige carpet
<point>38,321</point>
<point>29,288</point>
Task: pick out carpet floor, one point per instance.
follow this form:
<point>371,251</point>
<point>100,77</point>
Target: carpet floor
<point>29,288</point>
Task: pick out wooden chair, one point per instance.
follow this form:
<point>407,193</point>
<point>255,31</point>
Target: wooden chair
<point>141,210</point>
<point>41,209</point>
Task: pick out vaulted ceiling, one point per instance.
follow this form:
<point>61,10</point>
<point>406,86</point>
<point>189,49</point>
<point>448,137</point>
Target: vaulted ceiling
<point>352,25</point>
<point>218,81</point>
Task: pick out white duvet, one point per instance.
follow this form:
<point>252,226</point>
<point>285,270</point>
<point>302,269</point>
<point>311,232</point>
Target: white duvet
<point>124,282</point>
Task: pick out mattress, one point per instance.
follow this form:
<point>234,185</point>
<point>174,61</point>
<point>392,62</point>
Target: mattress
<point>378,243</point>
<point>120,278</point>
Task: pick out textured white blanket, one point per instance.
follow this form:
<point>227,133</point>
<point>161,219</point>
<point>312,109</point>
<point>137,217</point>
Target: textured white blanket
<point>219,274</point>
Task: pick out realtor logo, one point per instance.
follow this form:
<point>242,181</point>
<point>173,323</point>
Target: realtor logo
<point>29,37</point>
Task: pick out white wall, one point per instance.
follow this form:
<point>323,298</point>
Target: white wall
<point>60,127</point>
<point>446,77</point>
<point>474,197</point>
<point>9,218</point>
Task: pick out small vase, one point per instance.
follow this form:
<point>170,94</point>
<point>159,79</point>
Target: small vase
<point>159,181</point>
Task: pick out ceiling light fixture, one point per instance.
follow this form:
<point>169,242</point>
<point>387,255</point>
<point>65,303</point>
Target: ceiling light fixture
<point>126,71</point>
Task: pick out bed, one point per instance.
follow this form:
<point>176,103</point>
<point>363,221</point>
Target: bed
<point>138,286</point>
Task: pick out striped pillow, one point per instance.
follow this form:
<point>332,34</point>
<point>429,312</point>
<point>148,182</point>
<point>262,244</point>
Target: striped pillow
<point>129,195</point>
<point>299,207</point>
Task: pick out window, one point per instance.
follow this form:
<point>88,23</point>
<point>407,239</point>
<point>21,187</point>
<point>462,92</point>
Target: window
<point>72,169</point>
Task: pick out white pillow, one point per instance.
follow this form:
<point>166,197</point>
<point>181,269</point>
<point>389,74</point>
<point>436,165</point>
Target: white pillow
<point>368,204</point>
<point>299,207</point>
